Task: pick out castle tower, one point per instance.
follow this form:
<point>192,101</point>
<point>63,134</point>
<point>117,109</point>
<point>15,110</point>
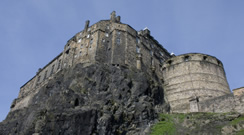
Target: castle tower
<point>193,77</point>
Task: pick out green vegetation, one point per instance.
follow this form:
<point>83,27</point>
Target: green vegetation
<point>193,123</point>
<point>165,126</point>
<point>238,120</point>
<point>240,132</point>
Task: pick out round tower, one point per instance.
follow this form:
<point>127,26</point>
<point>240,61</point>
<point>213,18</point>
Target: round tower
<point>193,77</point>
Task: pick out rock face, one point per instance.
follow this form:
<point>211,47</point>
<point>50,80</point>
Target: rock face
<point>95,99</point>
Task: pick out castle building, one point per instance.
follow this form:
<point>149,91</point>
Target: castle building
<point>188,79</point>
<point>107,41</point>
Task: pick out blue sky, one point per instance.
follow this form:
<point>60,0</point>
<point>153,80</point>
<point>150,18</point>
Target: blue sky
<point>33,32</point>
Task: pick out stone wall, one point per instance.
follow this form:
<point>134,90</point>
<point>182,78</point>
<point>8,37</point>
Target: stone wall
<point>223,104</point>
<point>220,104</point>
<point>193,76</point>
<point>238,91</point>
<point>42,75</point>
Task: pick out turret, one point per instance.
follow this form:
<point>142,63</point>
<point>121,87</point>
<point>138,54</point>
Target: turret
<point>87,25</point>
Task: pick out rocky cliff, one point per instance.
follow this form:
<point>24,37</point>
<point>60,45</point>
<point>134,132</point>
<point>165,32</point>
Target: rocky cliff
<point>91,99</point>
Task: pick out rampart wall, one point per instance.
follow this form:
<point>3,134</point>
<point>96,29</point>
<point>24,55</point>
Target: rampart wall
<point>222,104</point>
<point>239,91</point>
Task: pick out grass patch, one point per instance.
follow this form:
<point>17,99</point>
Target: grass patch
<point>165,126</point>
<point>238,120</point>
<point>180,117</point>
<point>240,132</point>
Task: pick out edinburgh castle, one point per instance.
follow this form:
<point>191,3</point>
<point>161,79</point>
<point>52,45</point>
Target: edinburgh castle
<point>113,79</point>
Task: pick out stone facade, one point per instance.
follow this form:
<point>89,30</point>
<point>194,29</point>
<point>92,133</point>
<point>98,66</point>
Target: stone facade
<point>107,41</point>
<point>191,78</point>
<point>238,91</point>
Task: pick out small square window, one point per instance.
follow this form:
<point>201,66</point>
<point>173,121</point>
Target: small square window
<point>91,41</point>
<point>161,61</point>
<point>161,53</point>
<point>107,26</point>
<point>106,34</point>
<point>151,52</point>
<point>103,40</point>
<point>79,40</point>
<point>118,41</point>
<point>137,40</point>
<point>39,78</point>
<point>138,49</point>
<point>186,58</point>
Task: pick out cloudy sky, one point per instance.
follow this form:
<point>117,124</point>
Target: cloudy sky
<point>33,32</point>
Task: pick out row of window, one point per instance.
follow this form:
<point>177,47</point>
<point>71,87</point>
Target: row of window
<point>51,72</point>
<point>187,58</point>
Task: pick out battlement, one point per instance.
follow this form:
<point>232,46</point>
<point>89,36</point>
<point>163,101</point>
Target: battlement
<point>192,57</point>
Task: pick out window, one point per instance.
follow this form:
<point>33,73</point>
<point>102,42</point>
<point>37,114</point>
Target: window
<point>39,78</point>
<point>107,26</point>
<point>91,41</point>
<point>88,36</point>
<point>152,62</point>
<point>138,49</point>
<point>52,69</point>
<point>219,63</point>
<point>103,40</point>
<point>161,53</point>
<point>161,61</point>
<point>76,102</point>
<point>118,33</point>
<point>204,57</point>
<point>80,53</point>
<point>67,52</point>
<point>151,52</point>
<point>186,58</point>
<point>59,63</point>
<point>79,40</point>
<point>137,40</point>
<point>81,46</point>
<point>170,62</point>
<point>118,41</point>
<point>106,34</point>
<point>45,75</point>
